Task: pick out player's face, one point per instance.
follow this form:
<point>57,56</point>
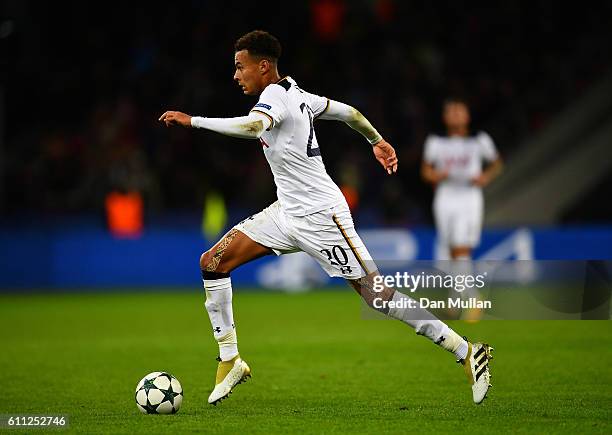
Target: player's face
<point>248,73</point>
<point>456,114</point>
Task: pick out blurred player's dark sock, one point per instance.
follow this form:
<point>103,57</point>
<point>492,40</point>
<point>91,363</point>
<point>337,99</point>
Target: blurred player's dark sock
<point>218,288</point>
<point>464,266</point>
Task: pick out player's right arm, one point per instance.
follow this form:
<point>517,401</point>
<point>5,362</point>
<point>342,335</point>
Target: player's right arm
<point>269,111</point>
<point>429,173</point>
<point>251,126</point>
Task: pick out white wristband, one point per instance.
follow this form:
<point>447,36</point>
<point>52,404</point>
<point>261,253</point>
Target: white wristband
<point>197,121</point>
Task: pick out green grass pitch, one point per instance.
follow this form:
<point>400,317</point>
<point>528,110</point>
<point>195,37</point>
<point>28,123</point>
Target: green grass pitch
<point>318,367</point>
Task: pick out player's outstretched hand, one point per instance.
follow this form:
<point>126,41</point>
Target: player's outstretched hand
<point>175,118</point>
<point>385,154</point>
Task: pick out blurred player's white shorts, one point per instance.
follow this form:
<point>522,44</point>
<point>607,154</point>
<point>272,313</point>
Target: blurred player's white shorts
<point>459,218</point>
<point>328,236</point>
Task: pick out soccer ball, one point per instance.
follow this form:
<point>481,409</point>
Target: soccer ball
<point>159,393</point>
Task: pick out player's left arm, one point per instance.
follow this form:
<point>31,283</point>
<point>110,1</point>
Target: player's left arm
<point>490,154</point>
<point>490,173</point>
<point>383,151</point>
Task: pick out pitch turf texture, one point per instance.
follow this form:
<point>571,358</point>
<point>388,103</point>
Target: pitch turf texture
<point>318,367</point>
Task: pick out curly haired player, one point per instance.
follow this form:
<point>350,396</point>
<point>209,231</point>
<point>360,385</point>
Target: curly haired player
<point>311,214</point>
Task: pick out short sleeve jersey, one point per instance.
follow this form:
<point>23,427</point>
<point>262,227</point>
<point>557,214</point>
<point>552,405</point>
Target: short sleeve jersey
<point>292,150</point>
<point>461,157</point>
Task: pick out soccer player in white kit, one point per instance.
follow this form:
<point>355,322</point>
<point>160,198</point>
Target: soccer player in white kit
<point>311,214</point>
<point>453,165</point>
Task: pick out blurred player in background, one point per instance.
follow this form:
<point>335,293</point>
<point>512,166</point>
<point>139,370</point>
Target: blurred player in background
<point>453,164</point>
<point>311,214</point>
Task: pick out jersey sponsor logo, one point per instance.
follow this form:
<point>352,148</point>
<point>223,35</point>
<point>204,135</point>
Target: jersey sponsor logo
<point>457,161</point>
<point>263,106</point>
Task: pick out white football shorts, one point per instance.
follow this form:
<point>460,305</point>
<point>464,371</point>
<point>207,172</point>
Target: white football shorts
<point>459,219</point>
<point>328,236</point>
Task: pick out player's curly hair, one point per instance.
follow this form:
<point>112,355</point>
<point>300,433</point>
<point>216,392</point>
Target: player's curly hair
<point>259,43</point>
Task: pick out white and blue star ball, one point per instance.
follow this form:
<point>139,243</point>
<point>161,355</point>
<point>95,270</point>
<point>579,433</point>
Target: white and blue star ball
<point>159,393</point>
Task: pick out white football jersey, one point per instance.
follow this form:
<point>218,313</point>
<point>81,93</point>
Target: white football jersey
<point>290,145</point>
<point>461,157</point>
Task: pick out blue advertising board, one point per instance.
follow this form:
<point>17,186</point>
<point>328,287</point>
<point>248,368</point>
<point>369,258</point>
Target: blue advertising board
<point>89,257</point>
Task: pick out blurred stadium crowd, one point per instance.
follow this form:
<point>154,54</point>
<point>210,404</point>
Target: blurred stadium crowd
<point>83,84</point>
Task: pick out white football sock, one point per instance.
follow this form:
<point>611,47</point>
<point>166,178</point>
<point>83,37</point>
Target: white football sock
<point>425,323</point>
<point>219,307</point>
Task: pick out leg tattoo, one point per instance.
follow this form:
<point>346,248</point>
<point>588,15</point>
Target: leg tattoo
<point>223,244</point>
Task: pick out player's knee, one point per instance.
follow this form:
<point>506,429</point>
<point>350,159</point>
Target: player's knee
<point>212,262</point>
<point>205,259</point>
